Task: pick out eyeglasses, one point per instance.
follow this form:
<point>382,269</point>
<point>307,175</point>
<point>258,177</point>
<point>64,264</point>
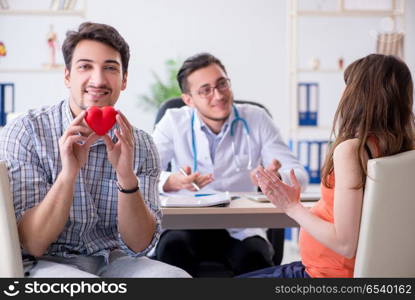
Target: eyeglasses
<point>222,86</point>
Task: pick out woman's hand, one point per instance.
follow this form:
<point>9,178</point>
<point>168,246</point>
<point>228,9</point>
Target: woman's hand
<point>282,195</point>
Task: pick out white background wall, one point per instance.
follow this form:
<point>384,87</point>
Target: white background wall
<point>249,36</point>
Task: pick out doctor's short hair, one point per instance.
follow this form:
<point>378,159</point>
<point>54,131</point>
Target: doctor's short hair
<point>102,33</point>
<point>194,63</point>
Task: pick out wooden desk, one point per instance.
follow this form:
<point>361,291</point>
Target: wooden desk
<point>241,213</point>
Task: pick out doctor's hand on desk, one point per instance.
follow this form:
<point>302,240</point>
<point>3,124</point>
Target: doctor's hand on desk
<point>178,181</point>
<point>274,166</point>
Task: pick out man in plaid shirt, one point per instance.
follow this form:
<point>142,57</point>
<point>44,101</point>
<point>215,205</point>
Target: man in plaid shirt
<point>86,205</point>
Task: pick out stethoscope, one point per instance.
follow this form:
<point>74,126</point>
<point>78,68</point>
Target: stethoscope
<point>234,122</point>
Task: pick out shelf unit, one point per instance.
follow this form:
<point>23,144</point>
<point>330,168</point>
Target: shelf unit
<point>318,133</point>
<point>78,11</point>
<point>42,12</point>
<point>351,13</point>
<point>22,23</point>
<point>34,70</point>
<point>303,70</point>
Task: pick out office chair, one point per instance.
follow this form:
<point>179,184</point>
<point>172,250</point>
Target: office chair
<point>275,235</point>
<point>386,246</point>
<point>10,254</point>
<point>178,102</point>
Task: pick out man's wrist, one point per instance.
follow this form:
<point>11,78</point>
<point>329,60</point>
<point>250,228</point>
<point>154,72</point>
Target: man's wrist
<point>129,191</point>
<point>67,177</point>
<point>128,183</point>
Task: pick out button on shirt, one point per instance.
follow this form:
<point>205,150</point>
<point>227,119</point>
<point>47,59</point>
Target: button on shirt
<point>29,145</point>
<point>173,137</point>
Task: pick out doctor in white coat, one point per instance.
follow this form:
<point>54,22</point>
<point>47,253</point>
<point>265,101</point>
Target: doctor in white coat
<point>220,145</point>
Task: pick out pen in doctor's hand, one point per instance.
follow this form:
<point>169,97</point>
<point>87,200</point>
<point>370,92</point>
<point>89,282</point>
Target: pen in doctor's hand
<point>194,184</point>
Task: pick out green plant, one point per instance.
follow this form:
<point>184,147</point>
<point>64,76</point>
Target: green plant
<point>161,91</point>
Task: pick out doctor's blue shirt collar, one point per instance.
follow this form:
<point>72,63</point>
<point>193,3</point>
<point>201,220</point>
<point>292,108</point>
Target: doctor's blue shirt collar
<point>200,124</point>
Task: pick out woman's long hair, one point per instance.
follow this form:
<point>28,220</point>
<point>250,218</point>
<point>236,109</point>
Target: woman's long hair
<point>377,101</point>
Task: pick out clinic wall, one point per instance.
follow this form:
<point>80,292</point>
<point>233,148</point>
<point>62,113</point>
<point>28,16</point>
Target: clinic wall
<point>249,36</point>
<point>410,35</point>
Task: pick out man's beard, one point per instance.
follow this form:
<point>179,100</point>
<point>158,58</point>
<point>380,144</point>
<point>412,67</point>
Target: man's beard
<point>217,119</point>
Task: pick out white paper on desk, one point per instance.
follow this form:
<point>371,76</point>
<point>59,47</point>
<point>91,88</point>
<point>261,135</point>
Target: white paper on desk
<point>259,197</point>
<point>191,200</point>
<point>307,196</point>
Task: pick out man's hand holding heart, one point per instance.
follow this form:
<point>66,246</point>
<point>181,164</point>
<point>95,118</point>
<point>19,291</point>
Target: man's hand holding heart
<point>74,147</point>
<point>121,153</point>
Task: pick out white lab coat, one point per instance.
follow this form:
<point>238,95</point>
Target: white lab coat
<point>173,138</point>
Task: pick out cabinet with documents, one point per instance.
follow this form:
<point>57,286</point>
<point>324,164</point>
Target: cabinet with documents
<point>326,36</point>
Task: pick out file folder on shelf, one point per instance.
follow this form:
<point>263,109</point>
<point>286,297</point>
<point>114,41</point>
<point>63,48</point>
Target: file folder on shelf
<point>308,95</point>
<point>311,154</point>
<point>6,101</point>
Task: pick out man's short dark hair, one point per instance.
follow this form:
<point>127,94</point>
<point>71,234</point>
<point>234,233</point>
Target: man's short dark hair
<point>194,63</point>
<point>103,33</point>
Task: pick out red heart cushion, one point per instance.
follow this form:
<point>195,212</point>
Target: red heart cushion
<point>100,120</point>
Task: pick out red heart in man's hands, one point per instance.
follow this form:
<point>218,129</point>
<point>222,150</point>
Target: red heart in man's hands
<point>100,120</point>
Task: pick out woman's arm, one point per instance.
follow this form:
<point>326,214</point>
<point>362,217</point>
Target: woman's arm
<point>342,236</point>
